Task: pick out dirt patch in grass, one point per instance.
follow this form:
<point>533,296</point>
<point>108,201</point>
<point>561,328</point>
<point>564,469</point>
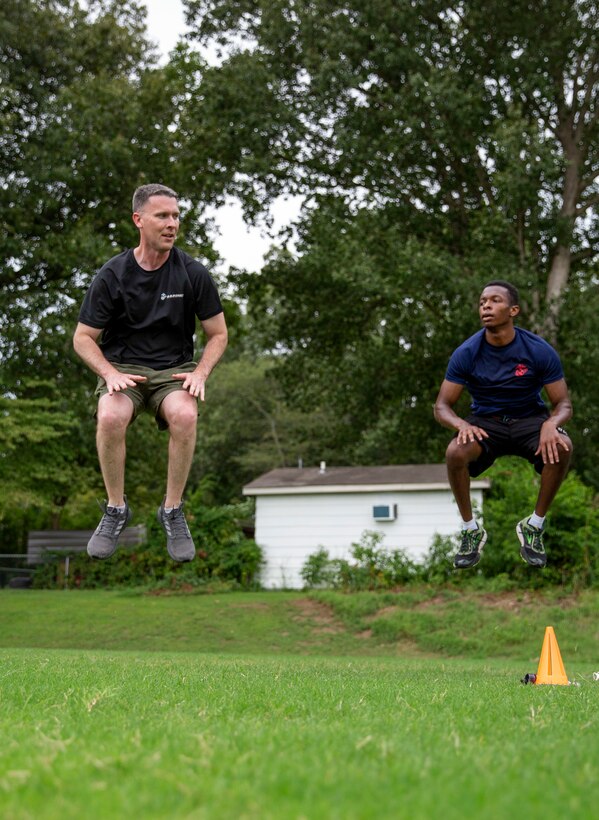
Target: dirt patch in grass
<point>506,601</point>
<point>519,600</point>
<point>430,603</point>
<point>509,601</point>
<point>184,589</point>
<point>383,612</point>
<point>319,614</point>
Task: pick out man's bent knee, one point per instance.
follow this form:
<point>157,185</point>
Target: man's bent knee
<point>568,453</point>
<point>180,411</point>
<point>565,456</point>
<point>114,412</point>
<point>460,455</point>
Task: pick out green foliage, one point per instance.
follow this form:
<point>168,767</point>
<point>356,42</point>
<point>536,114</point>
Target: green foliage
<point>225,558</point>
<point>318,570</point>
<point>366,332</point>
<point>572,528</point>
<point>376,568</point>
<point>372,568</point>
<point>246,428</point>
<point>84,120</point>
<point>580,321</point>
<point>42,454</point>
<point>432,157</point>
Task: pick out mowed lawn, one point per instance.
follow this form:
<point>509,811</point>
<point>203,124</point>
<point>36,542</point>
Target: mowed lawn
<point>274,705</point>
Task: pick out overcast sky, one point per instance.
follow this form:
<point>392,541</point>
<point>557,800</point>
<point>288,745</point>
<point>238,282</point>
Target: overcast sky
<point>238,245</point>
<point>165,23</point>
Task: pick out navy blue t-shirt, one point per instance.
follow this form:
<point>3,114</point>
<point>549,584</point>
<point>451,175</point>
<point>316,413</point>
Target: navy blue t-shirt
<point>149,317</point>
<point>505,380</point>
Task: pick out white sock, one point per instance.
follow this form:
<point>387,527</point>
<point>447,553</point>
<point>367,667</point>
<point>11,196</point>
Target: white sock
<point>536,521</point>
<point>470,525</point>
<point>119,509</point>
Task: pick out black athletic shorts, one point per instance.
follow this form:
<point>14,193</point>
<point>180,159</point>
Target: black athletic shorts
<point>508,437</point>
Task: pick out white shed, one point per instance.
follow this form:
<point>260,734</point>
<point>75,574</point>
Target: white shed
<point>298,511</point>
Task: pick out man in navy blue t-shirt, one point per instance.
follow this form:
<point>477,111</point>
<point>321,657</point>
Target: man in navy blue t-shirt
<point>136,332</point>
<point>504,369</point>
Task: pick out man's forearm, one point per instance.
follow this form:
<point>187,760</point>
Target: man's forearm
<point>561,413</point>
<point>448,418</point>
<point>212,353</point>
<point>90,353</point>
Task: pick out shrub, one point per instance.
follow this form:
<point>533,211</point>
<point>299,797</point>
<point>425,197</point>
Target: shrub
<point>372,568</point>
<point>224,555</point>
<point>571,539</point>
<point>319,570</point>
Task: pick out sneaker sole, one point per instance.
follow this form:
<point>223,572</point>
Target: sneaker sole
<point>527,562</point>
<point>479,556</point>
<point>181,560</point>
<point>101,557</point>
<point>522,545</point>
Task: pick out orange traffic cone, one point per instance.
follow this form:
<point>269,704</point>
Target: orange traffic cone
<point>551,667</point>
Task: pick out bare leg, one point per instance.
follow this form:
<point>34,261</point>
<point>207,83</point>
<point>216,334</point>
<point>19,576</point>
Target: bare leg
<point>458,457</point>
<point>551,480</point>
<point>114,415</point>
<point>180,410</point>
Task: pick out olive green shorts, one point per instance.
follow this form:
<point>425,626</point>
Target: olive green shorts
<point>150,394</point>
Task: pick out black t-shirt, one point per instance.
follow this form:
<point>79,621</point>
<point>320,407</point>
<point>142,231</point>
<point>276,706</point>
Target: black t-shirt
<point>148,317</point>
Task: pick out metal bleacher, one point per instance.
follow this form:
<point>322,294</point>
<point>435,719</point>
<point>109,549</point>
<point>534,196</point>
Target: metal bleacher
<point>41,543</point>
<point>16,569</point>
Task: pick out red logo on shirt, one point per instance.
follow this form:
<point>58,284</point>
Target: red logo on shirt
<point>521,370</point>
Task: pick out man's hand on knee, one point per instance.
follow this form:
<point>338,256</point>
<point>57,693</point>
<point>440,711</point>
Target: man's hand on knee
<point>551,441</point>
<point>115,382</point>
<point>471,433</point>
<point>194,382</point>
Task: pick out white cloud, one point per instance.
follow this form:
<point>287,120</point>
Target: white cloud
<point>239,244</point>
<point>165,23</point>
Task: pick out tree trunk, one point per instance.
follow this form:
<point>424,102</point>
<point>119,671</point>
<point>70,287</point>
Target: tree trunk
<point>560,265</point>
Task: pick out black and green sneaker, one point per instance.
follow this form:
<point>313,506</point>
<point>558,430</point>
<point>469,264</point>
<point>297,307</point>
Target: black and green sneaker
<point>532,548</point>
<point>470,549</point>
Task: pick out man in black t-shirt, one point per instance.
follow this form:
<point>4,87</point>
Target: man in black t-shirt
<point>136,332</point>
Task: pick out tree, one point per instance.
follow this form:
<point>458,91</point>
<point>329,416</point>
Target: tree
<point>83,120</point>
<point>42,456</point>
<point>246,429</point>
<point>434,156</point>
<point>384,103</point>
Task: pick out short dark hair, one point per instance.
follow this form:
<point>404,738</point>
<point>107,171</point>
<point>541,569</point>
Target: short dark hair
<point>144,192</point>
<point>511,289</point>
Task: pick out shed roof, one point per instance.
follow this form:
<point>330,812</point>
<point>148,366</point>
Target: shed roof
<point>404,477</point>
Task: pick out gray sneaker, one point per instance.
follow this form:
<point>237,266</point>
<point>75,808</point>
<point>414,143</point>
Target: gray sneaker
<point>103,542</point>
<point>179,542</point>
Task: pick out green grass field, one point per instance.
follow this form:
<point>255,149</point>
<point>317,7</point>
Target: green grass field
<point>280,705</point>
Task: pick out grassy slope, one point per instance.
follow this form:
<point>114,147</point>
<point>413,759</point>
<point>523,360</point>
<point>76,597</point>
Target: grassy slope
<point>416,622</point>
